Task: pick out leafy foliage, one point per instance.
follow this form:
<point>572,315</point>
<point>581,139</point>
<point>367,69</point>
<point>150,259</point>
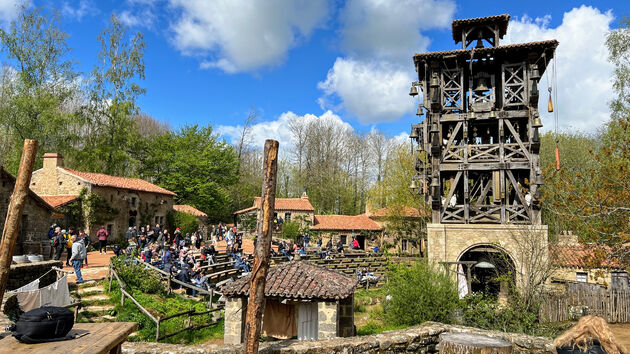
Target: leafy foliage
<point>137,276</point>
<point>186,222</point>
<point>291,229</point>
<point>419,293</point>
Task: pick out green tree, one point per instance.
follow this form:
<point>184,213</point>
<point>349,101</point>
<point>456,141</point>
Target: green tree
<point>36,83</point>
<point>194,163</point>
<point>113,91</point>
<point>419,293</point>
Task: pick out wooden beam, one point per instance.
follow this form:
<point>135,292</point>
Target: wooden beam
<point>518,139</point>
<point>14,214</point>
<point>256,303</point>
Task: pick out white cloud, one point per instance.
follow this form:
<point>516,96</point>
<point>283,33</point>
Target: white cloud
<point>277,129</point>
<point>83,8</point>
<point>583,71</point>
<point>244,35</point>
<point>380,38</point>
<point>141,18</point>
<point>374,91</point>
<point>391,29</point>
<point>9,9</point>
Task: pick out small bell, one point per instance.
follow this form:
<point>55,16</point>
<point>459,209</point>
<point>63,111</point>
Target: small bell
<point>414,133</point>
<point>550,103</point>
<point>537,122</point>
<point>434,80</point>
<point>492,115</point>
<point>420,112</point>
<point>535,72</point>
<point>488,131</point>
<point>413,185</point>
<point>474,132</point>
<point>538,180</point>
<point>413,91</point>
<point>481,85</point>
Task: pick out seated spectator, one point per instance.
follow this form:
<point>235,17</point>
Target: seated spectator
<point>239,263</point>
<point>355,244</point>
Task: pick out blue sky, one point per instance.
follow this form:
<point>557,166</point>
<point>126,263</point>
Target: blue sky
<point>210,61</point>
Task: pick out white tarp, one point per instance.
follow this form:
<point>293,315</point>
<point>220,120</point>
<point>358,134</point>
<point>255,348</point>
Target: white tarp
<point>55,294</point>
<point>462,284</point>
<point>307,321</point>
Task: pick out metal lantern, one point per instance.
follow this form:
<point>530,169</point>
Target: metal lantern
<point>485,265</point>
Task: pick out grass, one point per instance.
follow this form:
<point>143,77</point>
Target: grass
<point>162,306</point>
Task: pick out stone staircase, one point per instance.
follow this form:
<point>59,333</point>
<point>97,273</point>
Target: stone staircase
<point>96,304</point>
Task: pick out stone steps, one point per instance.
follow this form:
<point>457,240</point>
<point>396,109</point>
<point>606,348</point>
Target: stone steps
<point>96,297</point>
<point>91,289</point>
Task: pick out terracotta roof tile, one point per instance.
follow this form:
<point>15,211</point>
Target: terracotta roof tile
<point>458,25</point>
<point>189,209</point>
<point>344,222</point>
<point>298,280</point>
<point>58,200</point>
<point>406,211</point>
<point>551,44</point>
<point>583,256</point>
<point>135,184</point>
<point>296,204</point>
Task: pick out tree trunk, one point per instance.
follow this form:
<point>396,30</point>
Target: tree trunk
<point>14,214</point>
<point>256,303</point>
<point>468,343</point>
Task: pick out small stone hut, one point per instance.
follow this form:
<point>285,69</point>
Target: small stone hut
<point>301,300</point>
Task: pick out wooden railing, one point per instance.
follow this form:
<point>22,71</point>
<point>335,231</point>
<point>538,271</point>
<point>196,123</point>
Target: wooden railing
<point>613,305</point>
<point>159,320</point>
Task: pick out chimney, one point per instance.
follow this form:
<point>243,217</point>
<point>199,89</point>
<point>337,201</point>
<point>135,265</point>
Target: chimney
<point>304,196</point>
<point>52,160</point>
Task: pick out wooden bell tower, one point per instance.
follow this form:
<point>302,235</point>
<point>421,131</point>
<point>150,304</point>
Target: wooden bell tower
<point>477,148</point>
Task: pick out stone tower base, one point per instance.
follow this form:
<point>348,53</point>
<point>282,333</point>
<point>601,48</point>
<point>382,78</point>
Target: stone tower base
<point>526,245</point>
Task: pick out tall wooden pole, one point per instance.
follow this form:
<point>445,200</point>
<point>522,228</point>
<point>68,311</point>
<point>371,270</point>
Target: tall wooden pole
<point>256,304</point>
<point>14,214</point>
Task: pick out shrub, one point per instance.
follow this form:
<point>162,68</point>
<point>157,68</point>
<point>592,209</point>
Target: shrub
<point>291,229</point>
<point>186,222</point>
<point>419,293</point>
<point>137,276</point>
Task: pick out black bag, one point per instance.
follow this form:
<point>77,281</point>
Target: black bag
<point>44,324</point>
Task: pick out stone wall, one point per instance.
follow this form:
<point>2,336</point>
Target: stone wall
<point>345,317</point>
<point>327,319</point>
<point>421,339</point>
<point>235,313</point>
<point>448,242</point>
<point>36,219</point>
<point>22,274</point>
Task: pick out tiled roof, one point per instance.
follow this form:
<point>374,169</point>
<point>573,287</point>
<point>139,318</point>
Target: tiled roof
<point>550,44</point>
<point>458,25</point>
<point>58,200</point>
<point>135,184</point>
<point>344,223</point>
<point>188,209</point>
<point>298,280</point>
<point>583,256</point>
<point>406,212</point>
<point>296,204</point>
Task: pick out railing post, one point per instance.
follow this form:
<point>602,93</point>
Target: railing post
<point>109,274</point>
<point>169,283</point>
<point>157,330</point>
<point>122,297</point>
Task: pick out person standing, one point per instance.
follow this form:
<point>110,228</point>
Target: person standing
<point>58,243</point>
<point>68,237</point>
<point>85,238</point>
<point>78,254</point>
<point>102,235</point>
<point>307,239</point>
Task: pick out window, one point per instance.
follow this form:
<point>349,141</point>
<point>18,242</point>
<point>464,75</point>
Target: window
<point>344,238</point>
<point>161,220</point>
<point>581,277</point>
<point>157,220</point>
<point>111,198</point>
<point>287,216</point>
<point>60,183</point>
<point>403,245</point>
<point>109,228</point>
<point>619,280</point>
<point>78,183</point>
<point>133,201</point>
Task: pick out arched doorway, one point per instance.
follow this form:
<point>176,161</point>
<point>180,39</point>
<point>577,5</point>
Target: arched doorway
<point>491,270</point>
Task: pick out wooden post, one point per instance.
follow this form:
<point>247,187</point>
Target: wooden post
<point>14,214</point>
<point>262,255</point>
<point>157,330</point>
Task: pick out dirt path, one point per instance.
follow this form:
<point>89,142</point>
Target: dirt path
<point>622,333</point>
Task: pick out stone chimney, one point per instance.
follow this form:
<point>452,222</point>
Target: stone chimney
<point>52,160</point>
<point>304,196</point>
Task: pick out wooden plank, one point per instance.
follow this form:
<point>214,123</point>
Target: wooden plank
<point>145,311</point>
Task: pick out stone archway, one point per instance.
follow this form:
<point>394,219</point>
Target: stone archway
<point>492,269</point>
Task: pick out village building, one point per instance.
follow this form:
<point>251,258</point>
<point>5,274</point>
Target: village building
<point>301,300</point>
<point>285,209</point>
<point>574,262</point>
<point>36,219</point>
<point>403,228</point>
<point>200,215</point>
<point>477,157</point>
<point>346,228</point>
<point>116,203</point>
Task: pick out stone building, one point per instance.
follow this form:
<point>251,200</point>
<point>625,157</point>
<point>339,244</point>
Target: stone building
<point>122,202</point>
<point>347,227</point>
<point>287,209</point>
<point>200,215</point>
<point>406,217</point>
<point>36,218</point>
<point>301,300</point>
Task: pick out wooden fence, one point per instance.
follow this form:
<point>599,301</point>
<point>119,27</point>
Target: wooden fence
<point>580,300</point>
<point>159,320</point>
